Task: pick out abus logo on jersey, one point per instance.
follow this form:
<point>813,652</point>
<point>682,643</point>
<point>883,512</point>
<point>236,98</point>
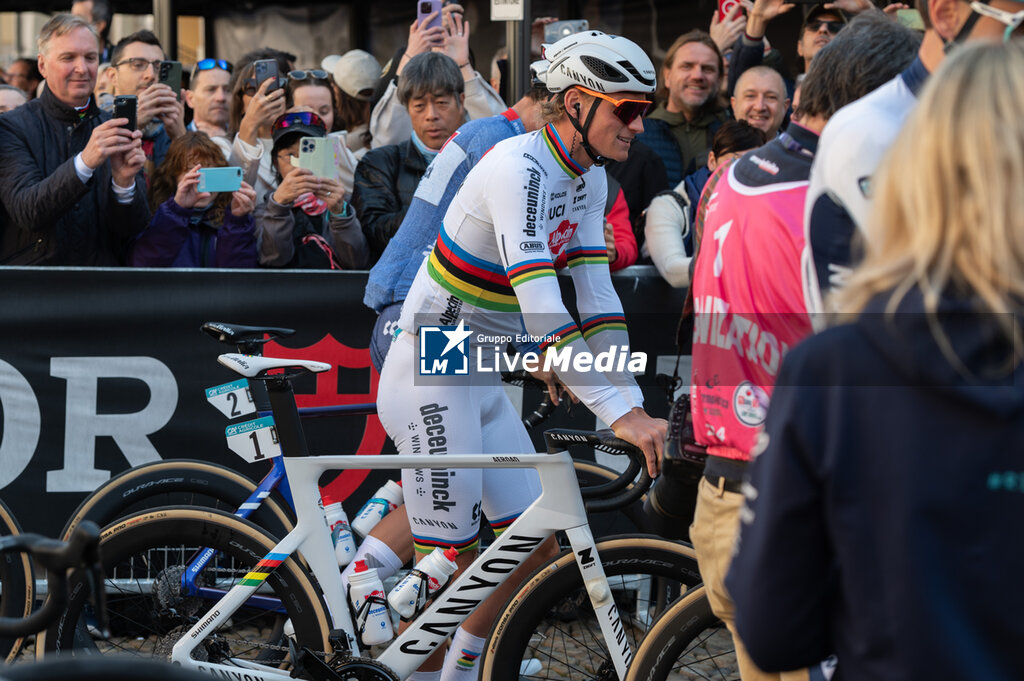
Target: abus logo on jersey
<point>444,350</point>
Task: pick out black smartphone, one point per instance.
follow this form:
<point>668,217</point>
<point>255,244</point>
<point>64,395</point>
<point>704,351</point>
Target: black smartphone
<point>170,75</point>
<point>264,69</point>
<point>125,106</point>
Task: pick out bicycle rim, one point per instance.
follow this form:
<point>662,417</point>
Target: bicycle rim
<point>548,630</point>
<point>17,584</point>
<point>143,558</point>
<point>686,643</point>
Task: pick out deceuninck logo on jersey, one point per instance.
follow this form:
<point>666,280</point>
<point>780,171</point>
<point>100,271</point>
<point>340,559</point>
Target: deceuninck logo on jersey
<point>444,350</point>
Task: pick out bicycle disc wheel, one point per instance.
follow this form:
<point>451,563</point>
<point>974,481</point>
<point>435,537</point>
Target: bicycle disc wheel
<point>686,642</point>
<point>17,584</point>
<point>548,630</point>
<point>179,482</point>
<point>143,559</point>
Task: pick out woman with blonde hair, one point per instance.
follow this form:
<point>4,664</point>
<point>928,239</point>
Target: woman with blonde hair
<point>883,515</point>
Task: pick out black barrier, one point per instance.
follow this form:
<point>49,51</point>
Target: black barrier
<point>102,369</point>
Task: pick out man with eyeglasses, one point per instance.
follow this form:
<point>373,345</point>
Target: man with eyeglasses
<point>71,187</point>
<point>858,137</point>
<point>209,94</point>
<point>134,70</point>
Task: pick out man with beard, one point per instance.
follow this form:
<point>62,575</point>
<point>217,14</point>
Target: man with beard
<point>681,128</point>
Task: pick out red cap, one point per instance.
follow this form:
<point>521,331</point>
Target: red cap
<point>399,482</point>
<point>361,566</point>
<point>451,553</point>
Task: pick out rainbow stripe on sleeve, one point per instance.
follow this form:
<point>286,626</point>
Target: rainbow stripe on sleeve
<point>528,270</point>
<point>586,255</point>
<point>262,570</point>
<point>476,281</point>
<point>565,335</point>
<point>608,322</point>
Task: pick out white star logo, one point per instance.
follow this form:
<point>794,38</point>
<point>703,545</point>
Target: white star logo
<point>456,337</point>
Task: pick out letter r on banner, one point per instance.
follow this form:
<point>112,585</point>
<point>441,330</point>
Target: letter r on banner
<point>82,425</point>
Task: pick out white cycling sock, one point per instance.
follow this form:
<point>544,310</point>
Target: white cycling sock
<point>460,662</point>
<point>425,676</point>
<point>378,555</point>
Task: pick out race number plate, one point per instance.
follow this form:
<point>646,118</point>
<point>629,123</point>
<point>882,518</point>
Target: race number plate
<point>254,440</point>
<point>232,399</point>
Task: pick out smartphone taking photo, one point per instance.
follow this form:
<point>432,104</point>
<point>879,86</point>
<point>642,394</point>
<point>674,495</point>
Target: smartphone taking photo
<point>170,75</point>
<point>126,106</point>
<point>264,69</point>
<point>220,179</point>
<point>424,8</point>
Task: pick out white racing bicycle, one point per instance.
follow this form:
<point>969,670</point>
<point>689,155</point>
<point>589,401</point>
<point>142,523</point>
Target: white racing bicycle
<point>268,610</point>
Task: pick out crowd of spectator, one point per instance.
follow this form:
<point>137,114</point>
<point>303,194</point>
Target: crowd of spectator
<point>385,126</point>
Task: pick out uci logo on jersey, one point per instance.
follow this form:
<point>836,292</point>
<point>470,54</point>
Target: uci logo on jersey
<point>444,350</point>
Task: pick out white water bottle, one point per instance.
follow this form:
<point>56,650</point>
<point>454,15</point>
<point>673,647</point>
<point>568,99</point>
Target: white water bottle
<point>408,595</point>
<point>384,501</point>
<point>367,595</point>
<point>341,533</point>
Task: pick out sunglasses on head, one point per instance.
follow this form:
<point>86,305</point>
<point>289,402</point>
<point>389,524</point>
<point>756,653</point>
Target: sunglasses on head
<point>209,64</point>
<point>290,120</point>
<point>626,110</point>
<point>318,74</point>
<point>833,27</point>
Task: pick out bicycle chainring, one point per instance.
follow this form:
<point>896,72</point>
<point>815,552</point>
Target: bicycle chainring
<point>361,669</point>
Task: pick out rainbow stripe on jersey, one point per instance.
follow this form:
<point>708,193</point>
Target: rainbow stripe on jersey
<point>477,282</point>
<point>584,255</point>
<point>565,335</point>
<point>608,322</point>
<point>557,149</point>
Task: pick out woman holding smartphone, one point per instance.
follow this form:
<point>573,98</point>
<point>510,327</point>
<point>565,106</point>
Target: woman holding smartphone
<point>190,228</point>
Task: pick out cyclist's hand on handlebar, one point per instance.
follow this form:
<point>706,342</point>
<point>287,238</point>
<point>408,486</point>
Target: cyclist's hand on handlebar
<point>647,433</point>
<point>555,386</point>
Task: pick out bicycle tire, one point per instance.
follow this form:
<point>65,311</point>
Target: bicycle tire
<point>17,584</point>
<point>100,669</point>
<point>686,642</point>
<point>550,618</point>
<point>179,482</point>
<point>142,558</point>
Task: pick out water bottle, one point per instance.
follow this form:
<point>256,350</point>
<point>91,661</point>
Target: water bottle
<point>367,595</point>
<point>341,533</point>
<point>384,501</point>
<point>408,595</point>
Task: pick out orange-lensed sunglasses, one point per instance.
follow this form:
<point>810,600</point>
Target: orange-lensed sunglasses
<point>626,110</point>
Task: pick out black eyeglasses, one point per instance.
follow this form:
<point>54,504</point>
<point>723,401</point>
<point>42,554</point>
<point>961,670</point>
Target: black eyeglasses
<point>319,74</point>
<point>209,64</point>
<point>139,64</point>
<point>832,26</point>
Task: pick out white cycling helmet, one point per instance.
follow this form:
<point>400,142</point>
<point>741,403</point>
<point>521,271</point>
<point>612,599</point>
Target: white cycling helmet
<point>601,62</point>
<point>539,73</point>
